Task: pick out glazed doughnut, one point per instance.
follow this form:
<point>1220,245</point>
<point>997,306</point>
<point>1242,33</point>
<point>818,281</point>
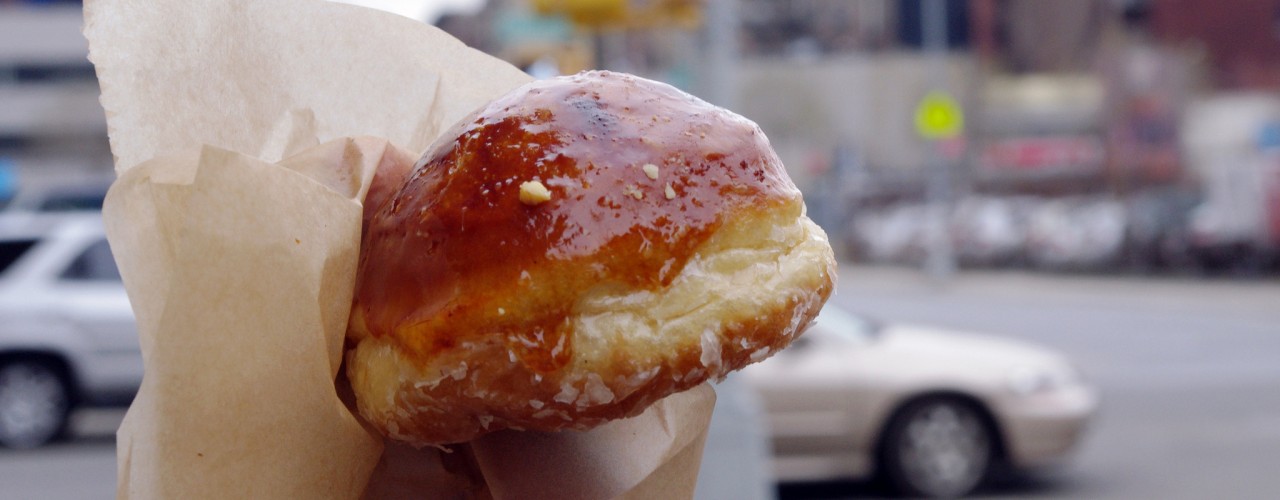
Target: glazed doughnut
<point>572,252</point>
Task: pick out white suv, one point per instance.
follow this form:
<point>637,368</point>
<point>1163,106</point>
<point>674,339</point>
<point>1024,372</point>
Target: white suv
<point>67,333</point>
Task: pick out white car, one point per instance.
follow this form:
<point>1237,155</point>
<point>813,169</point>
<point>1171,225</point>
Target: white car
<point>928,409</point>
<point>67,333</point>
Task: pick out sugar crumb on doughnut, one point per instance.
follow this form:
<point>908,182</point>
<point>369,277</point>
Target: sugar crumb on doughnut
<point>534,193</point>
<point>651,171</point>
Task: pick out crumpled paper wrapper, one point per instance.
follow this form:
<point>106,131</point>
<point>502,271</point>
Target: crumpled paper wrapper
<point>245,135</point>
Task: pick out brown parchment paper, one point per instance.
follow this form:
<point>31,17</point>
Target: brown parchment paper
<point>245,135</point>
<point>618,454</point>
<point>265,77</point>
<point>240,312</point>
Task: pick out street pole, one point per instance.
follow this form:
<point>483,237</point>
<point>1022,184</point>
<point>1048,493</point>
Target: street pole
<point>940,263</point>
<point>718,78</point>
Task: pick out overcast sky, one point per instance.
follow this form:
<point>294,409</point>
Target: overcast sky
<point>423,10</point>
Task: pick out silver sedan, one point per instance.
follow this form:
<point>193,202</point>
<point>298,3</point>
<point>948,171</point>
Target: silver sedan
<point>928,409</point>
<point>67,334</point>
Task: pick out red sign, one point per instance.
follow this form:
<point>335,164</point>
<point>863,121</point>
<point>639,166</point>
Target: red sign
<point>1034,153</point>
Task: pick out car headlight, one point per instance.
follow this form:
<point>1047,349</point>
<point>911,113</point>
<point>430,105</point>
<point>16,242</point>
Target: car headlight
<point>1027,380</point>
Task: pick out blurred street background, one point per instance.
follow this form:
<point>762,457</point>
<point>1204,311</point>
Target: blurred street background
<point>1094,135</point>
<point>1099,177</point>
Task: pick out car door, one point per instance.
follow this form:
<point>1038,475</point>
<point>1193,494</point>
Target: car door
<point>93,299</point>
<point>814,409</point>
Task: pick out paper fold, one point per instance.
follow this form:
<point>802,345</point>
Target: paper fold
<point>241,303</point>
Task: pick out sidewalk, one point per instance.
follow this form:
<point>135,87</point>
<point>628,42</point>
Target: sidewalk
<point>1217,295</point>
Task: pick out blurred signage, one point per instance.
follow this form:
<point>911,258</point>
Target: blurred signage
<point>597,14</point>
<point>1033,153</point>
<point>1269,136</point>
<point>585,12</point>
<point>8,178</point>
<point>514,27</point>
<point>952,149</point>
<point>938,116</point>
<point>1273,205</point>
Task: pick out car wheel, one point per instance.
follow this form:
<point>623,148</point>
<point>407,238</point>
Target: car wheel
<point>34,404</point>
<point>937,448</point>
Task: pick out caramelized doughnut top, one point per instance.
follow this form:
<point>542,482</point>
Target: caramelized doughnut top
<point>637,174</point>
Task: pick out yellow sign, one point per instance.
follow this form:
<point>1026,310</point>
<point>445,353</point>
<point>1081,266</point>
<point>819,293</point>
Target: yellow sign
<point>585,12</point>
<point>938,116</point>
<point>600,14</point>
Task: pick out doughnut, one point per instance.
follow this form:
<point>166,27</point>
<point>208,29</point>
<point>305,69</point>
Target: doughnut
<point>572,252</point>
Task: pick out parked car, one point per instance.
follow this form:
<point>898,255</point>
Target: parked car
<point>86,195</point>
<point>1076,233</point>
<point>893,234</point>
<point>989,230</point>
<point>67,333</point>
<point>928,409</point>
<point>1232,144</point>
<point>1159,221</point>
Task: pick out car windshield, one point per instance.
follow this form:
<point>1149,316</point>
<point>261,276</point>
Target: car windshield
<point>842,324</point>
<point>12,250</point>
<point>72,201</point>
<point>94,264</point>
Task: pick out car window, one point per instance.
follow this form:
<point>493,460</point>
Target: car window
<point>61,202</point>
<point>94,264</point>
<point>12,250</point>
<point>846,325</point>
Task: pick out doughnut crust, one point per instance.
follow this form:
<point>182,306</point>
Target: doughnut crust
<point>572,252</point>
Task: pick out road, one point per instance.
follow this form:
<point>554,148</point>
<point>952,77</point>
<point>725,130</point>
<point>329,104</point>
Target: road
<point>83,467</point>
<point>1189,372</point>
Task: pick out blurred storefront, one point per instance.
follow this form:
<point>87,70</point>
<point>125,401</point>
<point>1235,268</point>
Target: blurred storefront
<point>1077,110</point>
<point>51,125</point>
